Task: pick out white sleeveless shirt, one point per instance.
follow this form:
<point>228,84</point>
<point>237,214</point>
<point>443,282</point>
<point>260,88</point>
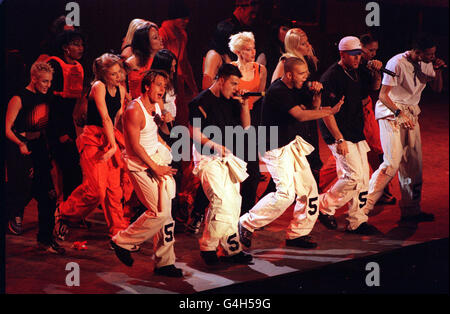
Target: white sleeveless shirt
<point>149,134</point>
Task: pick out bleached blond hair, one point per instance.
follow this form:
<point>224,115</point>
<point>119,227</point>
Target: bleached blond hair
<point>237,41</point>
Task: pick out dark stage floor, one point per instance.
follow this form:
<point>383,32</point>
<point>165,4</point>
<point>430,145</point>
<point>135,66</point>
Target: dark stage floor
<point>336,266</point>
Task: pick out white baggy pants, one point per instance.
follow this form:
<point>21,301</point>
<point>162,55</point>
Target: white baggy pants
<point>157,221</point>
<point>403,153</point>
<point>292,176</point>
<point>221,179</point>
<point>352,184</point>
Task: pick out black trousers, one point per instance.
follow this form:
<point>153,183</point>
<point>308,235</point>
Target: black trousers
<point>67,158</point>
<point>29,177</point>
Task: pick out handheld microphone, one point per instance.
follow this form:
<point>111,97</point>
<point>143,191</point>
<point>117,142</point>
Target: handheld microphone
<point>248,94</point>
<point>309,85</point>
<point>386,71</point>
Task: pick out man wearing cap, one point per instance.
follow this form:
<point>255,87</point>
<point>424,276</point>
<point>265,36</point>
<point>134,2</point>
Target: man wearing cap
<point>343,132</point>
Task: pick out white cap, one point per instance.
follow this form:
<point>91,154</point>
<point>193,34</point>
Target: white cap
<point>350,43</point>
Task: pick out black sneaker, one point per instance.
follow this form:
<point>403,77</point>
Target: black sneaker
<point>135,248</point>
<point>195,224</point>
<point>364,229</point>
<point>245,235</point>
<point>15,226</point>
<point>328,221</point>
<point>169,271</point>
<point>421,217</point>
<point>122,254</point>
<point>61,229</point>
<point>239,258</point>
<point>52,246</point>
<point>304,242</point>
<point>386,199</point>
<point>210,257</point>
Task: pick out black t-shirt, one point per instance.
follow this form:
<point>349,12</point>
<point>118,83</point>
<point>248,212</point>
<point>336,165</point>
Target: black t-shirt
<point>112,104</point>
<point>220,113</point>
<point>278,101</point>
<point>349,119</point>
<point>33,116</point>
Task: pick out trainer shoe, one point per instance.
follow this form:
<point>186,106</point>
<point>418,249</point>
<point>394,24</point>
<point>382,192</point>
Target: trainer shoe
<point>239,258</point>
<point>364,229</point>
<point>386,199</point>
<point>169,271</point>
<point>304,242</point>
<point>209,257</point>
<point>135,248</point>
<point>328,221</point>
<point>61,229</point>
<point>52,246</point>
<point>122,254</point>
<point>245,235</point>
<point>15,226</point>
<point>195,224</point>
<point>421,217</point>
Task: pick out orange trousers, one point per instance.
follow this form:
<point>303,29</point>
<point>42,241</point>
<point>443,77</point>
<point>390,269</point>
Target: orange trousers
<point>101,182</point>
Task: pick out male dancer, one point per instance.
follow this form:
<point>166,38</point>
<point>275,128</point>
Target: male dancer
<point>220,172</point>
<point>147,158</point>
<point>287,161</point>
<point>345,137</point>
<point>397,112</point>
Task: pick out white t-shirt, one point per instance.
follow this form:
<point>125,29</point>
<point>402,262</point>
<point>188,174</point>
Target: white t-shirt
<point>406,89</point>
<point>169,103</point>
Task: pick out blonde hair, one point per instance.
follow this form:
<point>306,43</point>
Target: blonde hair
<point>237,41</point>
<point>38,67</point>
<point>292,41</point>
<point>134,25</point>
<point>102,64</point>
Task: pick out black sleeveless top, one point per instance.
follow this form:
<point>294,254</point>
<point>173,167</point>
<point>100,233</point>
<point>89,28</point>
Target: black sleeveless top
<point>33,116</point>
<point>112,104</point>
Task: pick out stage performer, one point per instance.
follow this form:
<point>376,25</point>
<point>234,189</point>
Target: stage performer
<point>286,161</point>
<point>28,158</point>
<point>220,171</point>
<point>344,135</point>
<point>145,44</point>
<point>371,130</point>
<point>147,158</point>
<point>397,112</point>
<point>67,88</point>
<point>100,156</point>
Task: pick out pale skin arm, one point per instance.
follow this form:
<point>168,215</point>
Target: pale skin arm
<point>262,80</point>
<point>279,71</point>
<point>375,66</point>
<point>14,106</point>
<point>212,63</point>
<point>199,137</point>
<point>98,93</point>
<point>262,59</point>
<point>303,115</point>
<point>118,116</point>
<point>134,121</point>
